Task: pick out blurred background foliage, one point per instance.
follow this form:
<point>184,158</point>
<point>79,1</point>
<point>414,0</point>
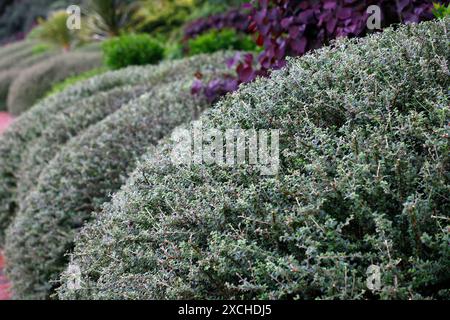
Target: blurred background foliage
<point>105,18</point>
<point>54,31</point>
<point>164,20</point>
<point>18,17</point>
<point>139,32</point>
<point>163,16</point>
<point>124,32</point>
<point>109,18</point>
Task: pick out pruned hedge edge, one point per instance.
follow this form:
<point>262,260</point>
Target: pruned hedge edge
<point>86,171</point>
<point>66,125</point>
<point>363,181</point>
<point>33,82</point>
<point>30,125</point>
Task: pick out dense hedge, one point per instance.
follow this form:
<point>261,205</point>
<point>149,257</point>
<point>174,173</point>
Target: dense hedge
<point>14,58</point>
<point>18,17</point>
<point>6,78</point>
<point>35,81</point>
<point>226,39</point>
<point>23,54</point>
<point>236,19</point>
<point>363,180</point>
<point>30,125</point>
<point>91,47</point>
<point>132,50</point>
<point>15,46</point>
<point>65,125</point>
<point>84,174</point>
<point>290,28</point>
<point>34,59</point>
<point>61,86</point>
<point>10,73</point>
<point>81,177</point>
<point>12,54</point>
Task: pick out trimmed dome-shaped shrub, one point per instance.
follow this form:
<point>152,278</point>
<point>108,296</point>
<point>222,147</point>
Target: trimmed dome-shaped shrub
<point>35,81</point>
<point>6,78</point>
<point>34,59</point>
<point>363,180</point>
<point>30,125</point>
<point>14,47</point>
<point>83,175</point>
<point>8,75</point>
<point>65,125</point>
<point>12,54</point>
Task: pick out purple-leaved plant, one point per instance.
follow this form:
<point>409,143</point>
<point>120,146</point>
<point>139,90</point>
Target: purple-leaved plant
<point>293,27</point>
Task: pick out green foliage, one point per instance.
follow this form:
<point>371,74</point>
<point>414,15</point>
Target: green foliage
<point>441,11</point>
<point>90,47</point>
<point>34,59</point>
<point>206,8</point>
<point>133,49</point>
<point>19,17</point>
<point>109,18</point>
<point>91,166</point>
<point>14,59</point>
<point>40,48</point>
<point>68,124</point>
<point>225,39</point>
<point>363,180</point>
<point>173,50</point>
<point>61,86</point>
<point>163,16</point>
<point>24,131</point>
<point>14,54</point>
<point>30,125</point>
<point>33,82</point>
<point>15,47</point>
<point>54,31</point>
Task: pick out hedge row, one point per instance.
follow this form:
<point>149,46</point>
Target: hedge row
<point>34,59</point>
<point>16,47</point>
<point>66,125</point>
<point>30,125</point>
<point>363,180</point>
<point>13,59</point>
<point>6,78</point>
<point>91,47</point>
<point>83,176</point>
<point>14,53</point>
<point>35,81</point>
